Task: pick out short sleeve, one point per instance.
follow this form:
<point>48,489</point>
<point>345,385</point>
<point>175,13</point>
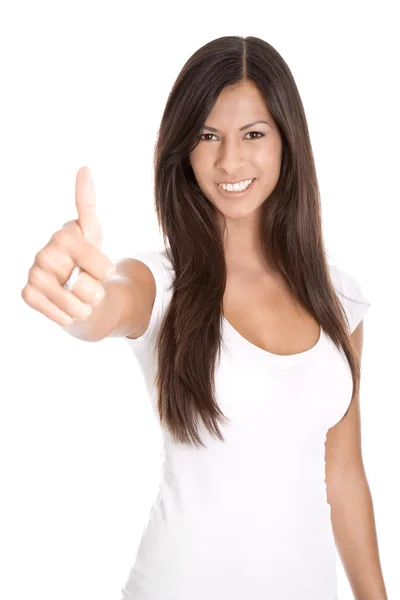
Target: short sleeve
<point>351,296</point>
<point>159,266</point>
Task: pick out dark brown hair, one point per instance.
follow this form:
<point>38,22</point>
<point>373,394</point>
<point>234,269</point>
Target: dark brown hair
<point>189,341</point>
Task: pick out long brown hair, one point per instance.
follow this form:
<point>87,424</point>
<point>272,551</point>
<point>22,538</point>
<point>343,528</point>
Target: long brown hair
<point>189,341</point>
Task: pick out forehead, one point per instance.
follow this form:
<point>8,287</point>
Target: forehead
<point>238,104</point>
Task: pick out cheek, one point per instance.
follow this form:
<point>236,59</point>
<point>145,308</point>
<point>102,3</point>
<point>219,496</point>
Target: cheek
<point>269,166</point>
<point>197,161</point>
<point>202,168</point>
<point>267,156</point>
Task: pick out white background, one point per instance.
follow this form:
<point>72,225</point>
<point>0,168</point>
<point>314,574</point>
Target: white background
<point>85,83</point>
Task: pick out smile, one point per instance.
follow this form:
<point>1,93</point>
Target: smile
<point>236,193</point>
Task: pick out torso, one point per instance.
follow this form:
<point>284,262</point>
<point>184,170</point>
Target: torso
<point>261,310</point>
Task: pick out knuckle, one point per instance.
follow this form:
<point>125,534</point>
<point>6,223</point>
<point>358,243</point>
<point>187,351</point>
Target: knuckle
<point>71,225</point>
<point>39,255</point>
<point>42,259</point>
<point>35,275</point>
<point>27,295</point>
<point>51,259</point>
<point>59,238</point>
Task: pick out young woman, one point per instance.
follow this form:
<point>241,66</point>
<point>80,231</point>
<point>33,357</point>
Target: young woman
<point>249,341</point>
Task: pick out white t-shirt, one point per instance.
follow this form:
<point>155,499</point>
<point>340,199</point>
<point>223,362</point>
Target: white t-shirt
<point>247,518</point>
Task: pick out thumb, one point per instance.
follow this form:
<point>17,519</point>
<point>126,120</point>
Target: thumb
<point>85,201</point>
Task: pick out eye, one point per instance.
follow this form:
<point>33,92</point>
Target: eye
<point>203,134</point>
<point>258,133</point>
<point>248,133</point>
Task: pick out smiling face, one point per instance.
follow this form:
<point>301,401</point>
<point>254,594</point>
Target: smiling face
<point>227,150</point>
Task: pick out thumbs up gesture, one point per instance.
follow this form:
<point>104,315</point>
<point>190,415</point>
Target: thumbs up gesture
<point>77,243</point>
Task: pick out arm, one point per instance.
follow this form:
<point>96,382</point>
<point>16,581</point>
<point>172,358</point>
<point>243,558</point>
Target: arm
<point>349,496</point>
<point>126,307</point>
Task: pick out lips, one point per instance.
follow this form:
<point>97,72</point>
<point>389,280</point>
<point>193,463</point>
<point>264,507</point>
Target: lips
<point>236,194</point>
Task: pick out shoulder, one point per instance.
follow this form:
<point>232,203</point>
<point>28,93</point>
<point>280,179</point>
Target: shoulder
<point>135,270</point>
<point>350,293</point>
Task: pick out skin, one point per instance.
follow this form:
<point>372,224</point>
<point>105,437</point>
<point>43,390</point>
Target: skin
<point>233,154</point>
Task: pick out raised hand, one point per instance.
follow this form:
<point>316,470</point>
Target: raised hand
<point>77,243</point>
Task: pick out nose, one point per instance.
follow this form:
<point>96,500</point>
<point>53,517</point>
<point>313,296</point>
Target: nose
<point>230,158</point>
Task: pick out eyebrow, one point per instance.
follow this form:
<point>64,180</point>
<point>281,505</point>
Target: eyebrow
<point>240,129</point>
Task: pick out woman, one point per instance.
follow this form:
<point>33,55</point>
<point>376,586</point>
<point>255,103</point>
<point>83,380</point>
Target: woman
<point>249,341</point>
<point>244,510</point>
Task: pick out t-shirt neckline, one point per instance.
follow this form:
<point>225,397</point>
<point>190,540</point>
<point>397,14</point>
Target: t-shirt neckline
<point>270,356</point>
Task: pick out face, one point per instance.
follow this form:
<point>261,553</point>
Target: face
<point>230,153</point>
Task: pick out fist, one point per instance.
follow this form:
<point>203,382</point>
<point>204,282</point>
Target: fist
<point>77,243</point>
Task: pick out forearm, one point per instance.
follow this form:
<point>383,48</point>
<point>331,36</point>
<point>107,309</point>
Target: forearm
<point>354,530</point>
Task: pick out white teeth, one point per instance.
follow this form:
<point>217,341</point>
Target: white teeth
<point>236,187</point>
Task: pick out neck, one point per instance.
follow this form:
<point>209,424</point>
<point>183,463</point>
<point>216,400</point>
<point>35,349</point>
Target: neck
<point>242,247</point>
